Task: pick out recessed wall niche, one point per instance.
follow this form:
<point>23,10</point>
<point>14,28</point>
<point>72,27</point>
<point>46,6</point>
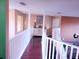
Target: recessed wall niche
<point>38,21</point>
<point>37,24</point>
<point>48,25</point>
<point>20,21</point>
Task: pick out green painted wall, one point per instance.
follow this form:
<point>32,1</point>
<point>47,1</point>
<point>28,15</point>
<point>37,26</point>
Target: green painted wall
<point>2,28</point>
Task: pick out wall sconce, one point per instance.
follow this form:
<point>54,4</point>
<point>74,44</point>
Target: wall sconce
<point>76,35</point>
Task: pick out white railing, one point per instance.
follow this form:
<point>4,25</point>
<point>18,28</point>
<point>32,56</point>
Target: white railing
<point>54,49</point>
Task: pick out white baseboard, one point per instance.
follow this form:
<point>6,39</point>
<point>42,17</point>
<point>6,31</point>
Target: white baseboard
<point>22,52</point>
<point>24,49</point>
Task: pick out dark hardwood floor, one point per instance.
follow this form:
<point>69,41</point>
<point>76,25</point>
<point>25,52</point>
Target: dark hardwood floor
<point>34,50</point>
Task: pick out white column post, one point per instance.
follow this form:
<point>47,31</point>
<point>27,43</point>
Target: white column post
<point>43,38</point>
<point>29,24</point>
<point>43,29</point>
<point>56,25</point>
<point>29,19</point>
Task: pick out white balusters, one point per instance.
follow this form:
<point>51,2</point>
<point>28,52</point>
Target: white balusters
<point>50,49</point>
<point>57,47</point>
<point>77,53</point>
<point>60,50</point>
<point>71,52</point>
<point>46,48</point>
<point>66,49</point>
<point>53,50</point>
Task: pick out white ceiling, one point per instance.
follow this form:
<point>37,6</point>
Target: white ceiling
<point>66,7</point>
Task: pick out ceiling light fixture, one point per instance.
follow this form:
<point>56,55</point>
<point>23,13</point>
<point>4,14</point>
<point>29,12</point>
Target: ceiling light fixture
<point>59,13</point>
<point>23,3</point>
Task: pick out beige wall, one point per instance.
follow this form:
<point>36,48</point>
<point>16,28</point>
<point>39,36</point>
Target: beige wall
<point>48,25</point>
<point>69,26</point>
<point>11,24</point>
<point>18,42</point>
<point>48,22</point>
<point>33,19</point>
<point>56,21</point>
<point>26,21</point>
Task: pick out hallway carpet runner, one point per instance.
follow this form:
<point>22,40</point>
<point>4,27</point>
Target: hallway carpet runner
<point>34,49</point>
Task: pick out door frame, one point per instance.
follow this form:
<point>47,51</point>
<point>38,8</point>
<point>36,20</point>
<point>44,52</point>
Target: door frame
<point>7,30</point>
